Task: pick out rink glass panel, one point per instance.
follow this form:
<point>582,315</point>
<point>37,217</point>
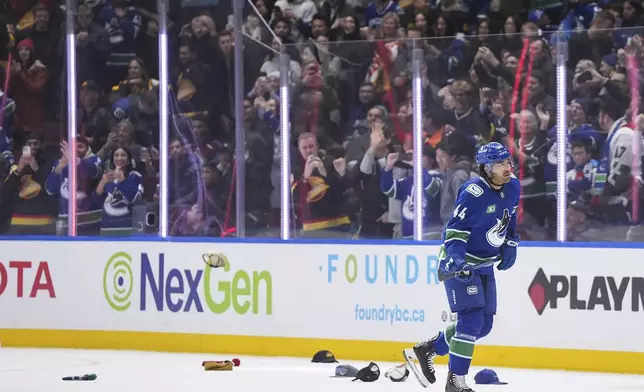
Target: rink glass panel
<point>328,86</point>
<point>604,136</point>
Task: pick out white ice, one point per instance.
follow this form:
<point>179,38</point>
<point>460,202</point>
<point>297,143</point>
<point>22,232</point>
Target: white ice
<point>41,370</point>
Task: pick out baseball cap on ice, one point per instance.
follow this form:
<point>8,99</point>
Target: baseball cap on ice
<point>398,373</point>
<point>324,356</point>
<point>488,376</point>
<point>346,371</point>
<point>368,374</point>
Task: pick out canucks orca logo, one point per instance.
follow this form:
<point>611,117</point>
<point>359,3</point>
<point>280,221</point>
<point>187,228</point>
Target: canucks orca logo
<point>496,235</point>
<point>64,191</point>
<point>409,205</point>
<point>116,204</point>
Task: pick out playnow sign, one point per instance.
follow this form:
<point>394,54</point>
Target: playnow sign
<point>606,293</point>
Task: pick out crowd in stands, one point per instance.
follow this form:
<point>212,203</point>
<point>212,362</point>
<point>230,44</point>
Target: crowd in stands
<point>489,73</point>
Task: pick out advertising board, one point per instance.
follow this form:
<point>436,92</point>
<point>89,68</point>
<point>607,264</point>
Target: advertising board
<point>557,307</point>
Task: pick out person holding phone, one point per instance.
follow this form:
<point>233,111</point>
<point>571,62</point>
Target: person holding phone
<point>34,210</point>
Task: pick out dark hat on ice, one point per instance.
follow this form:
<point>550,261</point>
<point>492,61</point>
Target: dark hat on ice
<point>324,356</point>
<point>368,374</point>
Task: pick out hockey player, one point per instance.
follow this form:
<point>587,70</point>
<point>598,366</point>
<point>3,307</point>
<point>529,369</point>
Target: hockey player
<point>480,232</point>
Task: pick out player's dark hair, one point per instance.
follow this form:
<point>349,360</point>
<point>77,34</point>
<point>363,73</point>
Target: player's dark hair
<point>482,173</point>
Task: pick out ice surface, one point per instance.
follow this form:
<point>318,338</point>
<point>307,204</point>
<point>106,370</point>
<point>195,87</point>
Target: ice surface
<point>41,370</point>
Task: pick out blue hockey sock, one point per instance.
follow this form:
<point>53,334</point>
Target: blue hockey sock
<point>488,321</point>
<point>441,344</point>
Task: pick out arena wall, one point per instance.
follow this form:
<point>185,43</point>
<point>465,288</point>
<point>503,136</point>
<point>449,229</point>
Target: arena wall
<point>576,308</point>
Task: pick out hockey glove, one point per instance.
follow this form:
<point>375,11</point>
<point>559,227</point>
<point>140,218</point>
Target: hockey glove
<point>508,254</point>
<point>457,265</point>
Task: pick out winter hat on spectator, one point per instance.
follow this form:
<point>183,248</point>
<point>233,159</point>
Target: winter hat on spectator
<point>91,85</point>
<point>535,16</point>
<point>582,103</point>
<point>26,42</point>
<point>610,59</point>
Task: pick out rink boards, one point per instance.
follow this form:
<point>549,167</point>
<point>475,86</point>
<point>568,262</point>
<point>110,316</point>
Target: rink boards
<point>578,308</point>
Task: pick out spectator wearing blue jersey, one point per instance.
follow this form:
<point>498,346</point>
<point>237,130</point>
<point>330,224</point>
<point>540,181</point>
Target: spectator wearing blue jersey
<point>376,11</point>
<point>122,24</point>
<point>403,190</point>
<point>88,215</point>
<point>118,191</point>
<point>582,177</point>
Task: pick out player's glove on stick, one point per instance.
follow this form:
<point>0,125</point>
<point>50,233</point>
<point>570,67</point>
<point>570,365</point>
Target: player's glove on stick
<point>508,254</point>
<point>456,265</point>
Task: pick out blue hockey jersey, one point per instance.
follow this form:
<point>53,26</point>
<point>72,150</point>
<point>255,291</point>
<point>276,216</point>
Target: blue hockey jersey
<point>88,215</point>
<point>551,162</point>
<point>583,132</point>
<point>483,218</point>
<point>373,15</point>
<point>581,180</point>
<point>122,33</point>
<point>403,189</point>
<point>117,201</point>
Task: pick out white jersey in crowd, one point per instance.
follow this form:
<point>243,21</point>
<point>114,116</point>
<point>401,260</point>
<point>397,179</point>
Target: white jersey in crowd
<point>625,152</point>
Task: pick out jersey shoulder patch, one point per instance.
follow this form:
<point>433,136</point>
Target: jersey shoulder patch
<point>474,190</point>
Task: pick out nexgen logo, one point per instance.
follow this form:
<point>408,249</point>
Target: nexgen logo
<point>606,293</point>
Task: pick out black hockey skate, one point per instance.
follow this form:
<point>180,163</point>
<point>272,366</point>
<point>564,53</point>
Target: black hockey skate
<point>456,383</point>
<point>425,353</point>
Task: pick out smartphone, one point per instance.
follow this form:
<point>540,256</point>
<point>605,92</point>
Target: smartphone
<point>145,154</point>
<point>585,76</point>
<point>26,151</point>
